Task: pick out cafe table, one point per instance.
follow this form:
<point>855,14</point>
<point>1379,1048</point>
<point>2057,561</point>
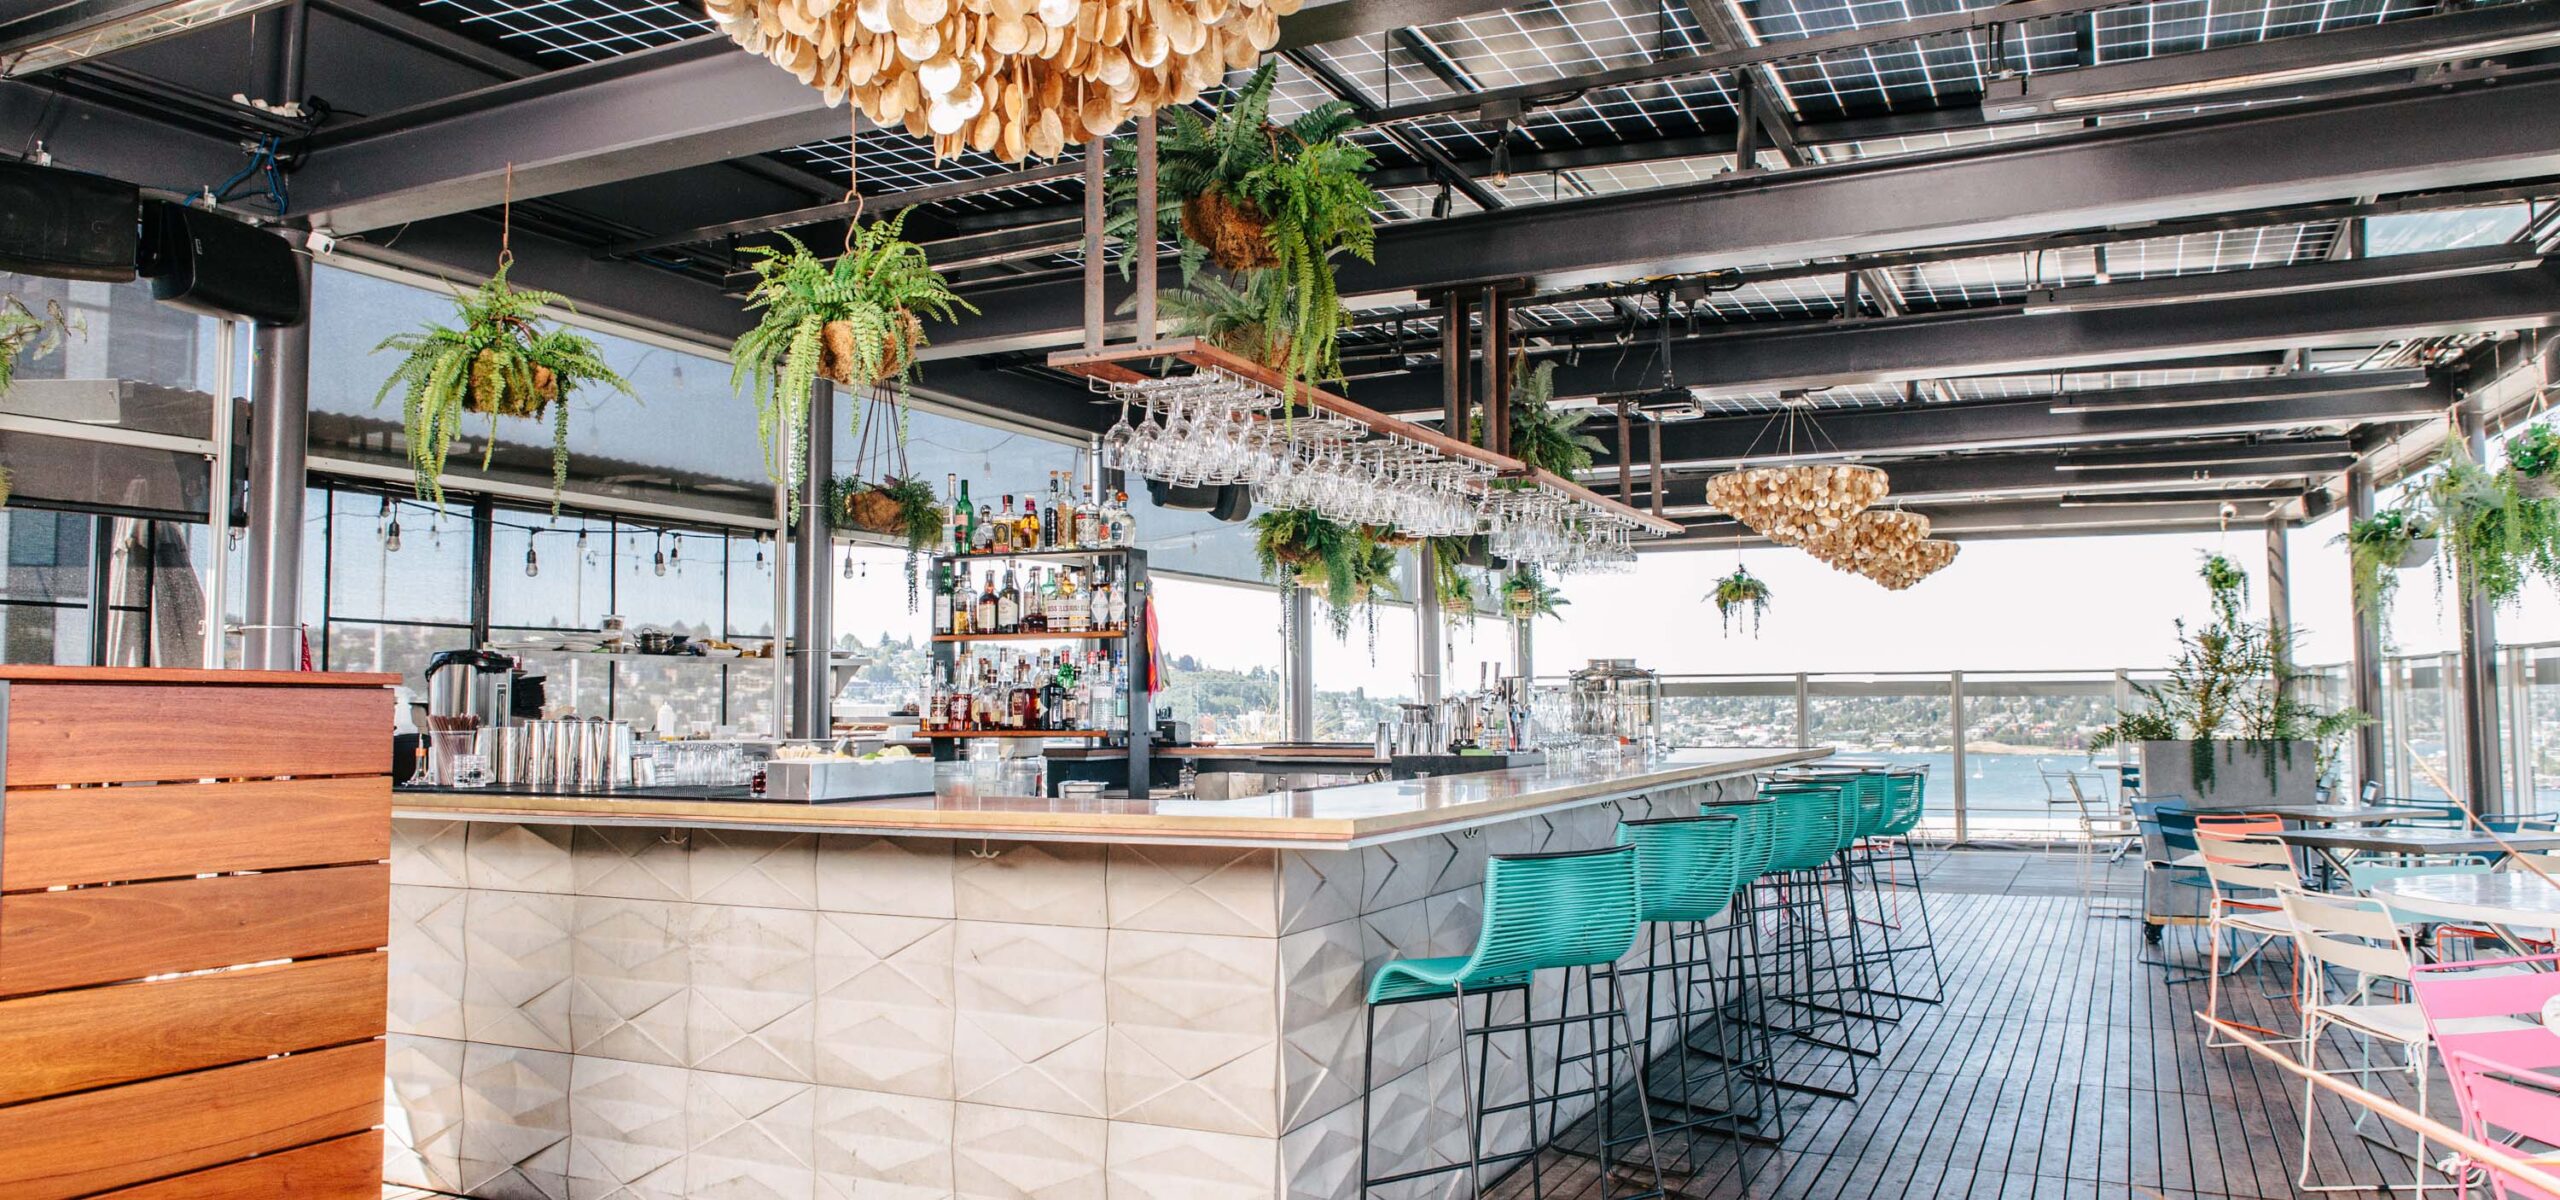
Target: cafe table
<point>2346,814</point>
<point>2335,845</point>
<point>2504,901</point>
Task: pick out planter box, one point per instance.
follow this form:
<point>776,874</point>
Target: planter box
<point>2239,774</point>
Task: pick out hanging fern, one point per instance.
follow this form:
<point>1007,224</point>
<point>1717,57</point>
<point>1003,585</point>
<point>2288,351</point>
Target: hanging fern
<point>1348,565</point>
<point>2378,547</point>
<point>857,321</point>
<point>1741,594</point>
<point>500,361</point>
<point>1527,595</point>
<point>1542,435</point>
<point>1262,198</point>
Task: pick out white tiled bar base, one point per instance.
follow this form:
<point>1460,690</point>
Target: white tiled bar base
<point>595,1013</point>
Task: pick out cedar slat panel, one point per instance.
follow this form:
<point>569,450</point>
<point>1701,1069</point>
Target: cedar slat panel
<point>116,733</point>
<point>71,1041</point>
<point>60,836</point>
<point>347,1168</point>
<point>89,1142</point>
<point>228,676</point>
<point>102,935</point>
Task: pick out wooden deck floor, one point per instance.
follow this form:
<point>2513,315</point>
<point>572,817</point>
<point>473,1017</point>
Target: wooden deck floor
<point>2060,1065</point>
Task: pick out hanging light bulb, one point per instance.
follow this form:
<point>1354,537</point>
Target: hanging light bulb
<point>848,565</point>
<point>675,554</point>
<point>582,537</point>
<point>391,536</point>
<point>662,562</point>
<point>532,565</point>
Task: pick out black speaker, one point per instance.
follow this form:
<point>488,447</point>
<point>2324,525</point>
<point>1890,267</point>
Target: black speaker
<point>66,224</point>
<point>207,263</point>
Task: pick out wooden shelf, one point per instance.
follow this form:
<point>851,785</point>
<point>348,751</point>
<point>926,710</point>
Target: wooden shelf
<point>1113,364</point>
<point>1110,635</point>
<point>1014,733</point>
<point>995,555</point>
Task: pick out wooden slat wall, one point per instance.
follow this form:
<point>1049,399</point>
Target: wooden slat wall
<point>194,898</point>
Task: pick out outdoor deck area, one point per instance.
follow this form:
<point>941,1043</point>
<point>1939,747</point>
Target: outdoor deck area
<point>2059,1066</point>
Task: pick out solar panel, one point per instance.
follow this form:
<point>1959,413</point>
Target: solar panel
<point>561,32</point>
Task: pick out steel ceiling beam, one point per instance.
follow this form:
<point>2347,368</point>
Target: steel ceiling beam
<point>2125,176</point>
<point>1925,428</point>
<point>2043,518</point>
<point>2008,341</point>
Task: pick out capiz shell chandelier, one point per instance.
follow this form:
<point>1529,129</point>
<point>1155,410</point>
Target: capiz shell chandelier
<point>1875,536</point>
<point>1916,562</point>
<point>1793,505</point>
<point>1008,78</point>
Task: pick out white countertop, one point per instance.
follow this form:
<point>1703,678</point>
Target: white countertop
<point>1318,818</point>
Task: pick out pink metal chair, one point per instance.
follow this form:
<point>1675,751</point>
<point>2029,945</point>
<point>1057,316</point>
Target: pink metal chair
<point>2509,1106</point>
<point>2486,1018</point>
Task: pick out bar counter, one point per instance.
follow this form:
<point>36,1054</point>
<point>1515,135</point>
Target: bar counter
<point>1334,818</point>
<point>956,995</point>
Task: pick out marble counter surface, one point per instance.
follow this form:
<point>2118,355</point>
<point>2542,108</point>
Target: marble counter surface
<point>1345,817</point>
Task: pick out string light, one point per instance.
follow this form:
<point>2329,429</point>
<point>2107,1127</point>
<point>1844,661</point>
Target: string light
<point>532,565</point>
<point>391,536</point>
<point>662,563</point>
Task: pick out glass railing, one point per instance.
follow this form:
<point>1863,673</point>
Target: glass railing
<point>1997,745</point>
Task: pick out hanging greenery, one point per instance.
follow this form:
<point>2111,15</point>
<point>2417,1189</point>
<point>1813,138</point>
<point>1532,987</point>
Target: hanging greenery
<point>2534,453</point>
<point>1346,564</point>
<point>1254,197</point>
<point>2379,548</point>
<point>24,332</point>
<point>1742,593</point>
<point>1526,594</point>
<point>500,360</point>
<point>1455,587</point>
<point>899,507</point>
<point>2495,535</point>
<point>2232,684</point>
<point>1542,435</point>
<point>1232,312</point>
<point>857,321</point>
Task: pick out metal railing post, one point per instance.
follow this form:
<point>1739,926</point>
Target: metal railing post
<point>1955,717</point>
<point>1804,711</point>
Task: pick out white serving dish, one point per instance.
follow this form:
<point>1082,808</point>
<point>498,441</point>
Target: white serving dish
<point>846,779</point>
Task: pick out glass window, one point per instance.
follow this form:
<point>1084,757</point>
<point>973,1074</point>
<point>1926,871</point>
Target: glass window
<point>672,579</point>
<point>1221,647</point>
<point>1361,678</point>
<point>872,619</point>
<point>549,572</point>
<point>423,575</point>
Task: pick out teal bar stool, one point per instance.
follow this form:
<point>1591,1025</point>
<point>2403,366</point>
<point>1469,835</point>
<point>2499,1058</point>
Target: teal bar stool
<point>1801,966</point>
<point>1888,854</point>
<point>1868,795</point>
<point>1571,911</point>
<point>1687,871</point>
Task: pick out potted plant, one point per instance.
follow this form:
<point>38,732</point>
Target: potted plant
<point>1300,547</point>
<point>858,321</point>
<point>2495,535</point>
<point>1543,435</point>
<point>26,332</point>
<point>501,359</point>
<point>2380,547</point>
<point>898,507</point>
<point>1742,593</point>
<point>1526,594</point>
<point>1456,588</point>
<point>2231,696</point>
<point>2533,453</point>
<point>1255,197</point>
<point>1232,312</point>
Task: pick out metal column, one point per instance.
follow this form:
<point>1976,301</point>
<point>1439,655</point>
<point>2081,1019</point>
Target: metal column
<point>812,580</point>
<point>2481,774</point>
<point>1955,721</point>
<point>2279,583</point>
<point>1426,621</point>
<point>2364,660</point>
<point>280,388</point>
<point>1523,663</point>
<point>1298,674</point>
<point>218,492</point>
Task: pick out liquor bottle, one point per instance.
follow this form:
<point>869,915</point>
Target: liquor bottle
<point>1050,516</point>
<point>986,616</point>
<point>957,493</point>
<point>1026,530</point>
<point>982,531</point>
<point>1064,616</point>
<point>957,705</point>
<point>964,606</point>
<point>1120,528</point>
<point>1102,616</point>
<point>1088,522</point>
<point>1003,541</point>
<point>1009,605</point>
<point>942,600</point>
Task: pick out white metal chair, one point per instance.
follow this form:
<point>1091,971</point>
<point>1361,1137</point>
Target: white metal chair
<point>2361,939</point>
<point>2248,872</point>
<point>2101,828</point>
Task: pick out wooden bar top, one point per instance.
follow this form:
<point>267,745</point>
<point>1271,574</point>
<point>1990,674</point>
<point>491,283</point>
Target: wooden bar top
<point>1320,818</point>
<point>42,673</point>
